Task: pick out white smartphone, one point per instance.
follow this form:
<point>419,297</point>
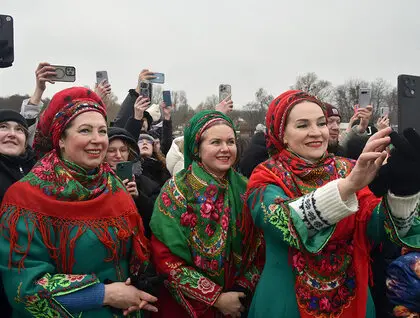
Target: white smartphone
<point>64,73</point>
<point>364,97</point>
<point>101,76</point>
<point>224,91</point>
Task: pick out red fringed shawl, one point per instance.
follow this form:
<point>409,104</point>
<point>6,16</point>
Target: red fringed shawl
<point>61,202</point>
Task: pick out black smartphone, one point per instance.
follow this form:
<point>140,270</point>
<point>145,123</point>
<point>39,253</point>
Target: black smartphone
<point>125,170</point>
<point>146,90</point>
<point>64,73</point>
<point>408,102</point>
<point>7,53</point>
<point>167,98</point>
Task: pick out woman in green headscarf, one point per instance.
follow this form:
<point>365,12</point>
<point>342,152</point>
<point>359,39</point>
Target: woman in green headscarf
<point>196,238</point>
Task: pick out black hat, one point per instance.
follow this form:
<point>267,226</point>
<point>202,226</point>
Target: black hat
<point>121,133</point>
<point>11,115</point>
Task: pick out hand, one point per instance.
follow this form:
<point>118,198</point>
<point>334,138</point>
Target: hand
<point>365,114</point>
<point>367,166</point>
<point>383,122</point>
<point>229,304</point>
<point>131,187</point>
<point>145,75</point>
<point>122,296</point>
<point>166,111</point>
<point>401,174</point>
<point>141,104</point>
<point>225,106</point>
<point>143,305</point>
<point>103,89</point>
<point>352,119</point>
<point>43,72</point>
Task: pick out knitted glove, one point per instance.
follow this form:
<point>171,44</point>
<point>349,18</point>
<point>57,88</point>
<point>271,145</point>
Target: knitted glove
<point>148,280</point>
<point>401,174</point>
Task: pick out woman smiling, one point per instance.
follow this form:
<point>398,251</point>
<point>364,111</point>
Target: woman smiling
<point>69,241</point>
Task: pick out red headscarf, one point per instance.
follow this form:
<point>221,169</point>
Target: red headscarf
<point>277,114</point>
<point>62,109</point>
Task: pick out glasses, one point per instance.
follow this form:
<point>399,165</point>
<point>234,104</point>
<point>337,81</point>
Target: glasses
<point>150,142</point>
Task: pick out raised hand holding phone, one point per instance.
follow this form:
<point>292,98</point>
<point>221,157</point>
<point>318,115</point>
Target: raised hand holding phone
<point>226,105</point>
<point>103,89</point>
<point>142,103</point>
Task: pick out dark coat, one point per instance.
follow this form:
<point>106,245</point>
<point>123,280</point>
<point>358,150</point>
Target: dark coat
<point>12,169</point>
<point>155,170</point>
<point>254,155</point>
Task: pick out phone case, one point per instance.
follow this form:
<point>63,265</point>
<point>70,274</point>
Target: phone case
<point>364,97</point>
<point>167,98</point>
<point>160,78</point>
<point>6,41</point>
<point>146,89</point>
<point>224,91</point>
<point>125,170</point>
<point>101,75</point>
<point>408,102</point>
<point>64,73</point>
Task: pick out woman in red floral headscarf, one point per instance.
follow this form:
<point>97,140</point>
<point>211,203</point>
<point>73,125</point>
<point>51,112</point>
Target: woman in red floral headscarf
<point>69,229</point>
<point>318,217</point>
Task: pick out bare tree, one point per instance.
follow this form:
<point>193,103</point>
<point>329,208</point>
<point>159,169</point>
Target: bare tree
<point>157,97</point>
<point>347,95</point>
<point>209,103</point>
<point>261,102</point>
<point>311,84</point>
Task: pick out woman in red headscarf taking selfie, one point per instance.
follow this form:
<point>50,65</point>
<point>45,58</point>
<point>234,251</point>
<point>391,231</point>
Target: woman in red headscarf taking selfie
<point>70,232</point>
<point>318,217</point>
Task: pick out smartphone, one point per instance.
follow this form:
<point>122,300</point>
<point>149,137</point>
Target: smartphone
<point>383,111</point>
<point>167,98</point>
<point>125,170</point>
<point>146,89</point>
<point>64,73</point>
<point>224,91</point>
<point>101,76</point>
<point>364,97</point>
<point>7,56</point>
<point>159,78</point>
<point>408,102</point>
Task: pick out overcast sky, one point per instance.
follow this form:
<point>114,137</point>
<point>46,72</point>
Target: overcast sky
<point>199,44</point>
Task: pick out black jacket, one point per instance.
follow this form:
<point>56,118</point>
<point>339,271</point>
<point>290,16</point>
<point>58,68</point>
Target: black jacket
<point>12,169</point>
<point>155,170</point>
<point>145,202</point>
<point>254,155</point>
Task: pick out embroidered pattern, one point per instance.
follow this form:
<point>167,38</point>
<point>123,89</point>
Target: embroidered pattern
<point>326,281</point>
<point>41,304</point>
<point>311,215</point>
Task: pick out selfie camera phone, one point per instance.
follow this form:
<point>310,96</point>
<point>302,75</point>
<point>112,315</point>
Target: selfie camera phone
<point>101,76</point>
<point>364,97</point>
<point>125,170</point>
<point>64,73</point>
<point>167,98</point>
<point>408,102</point>
<point>146,90</point>
<point>7,56</point>
<point>224,91</point>
<point>159,78</point>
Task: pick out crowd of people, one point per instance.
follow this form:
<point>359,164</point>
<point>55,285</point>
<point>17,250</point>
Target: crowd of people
<point>305,221</point>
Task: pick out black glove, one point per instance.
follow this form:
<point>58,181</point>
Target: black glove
<point>401,174</point>
<point>148,280</point>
